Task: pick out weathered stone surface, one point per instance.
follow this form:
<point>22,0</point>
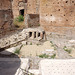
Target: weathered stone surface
<point>19,37</point>
<point>57,67</point>
<point>23,67</point>
<point>72,41</point>
<point>36,50</point>
<point>54,16</point>
<point>34,71</point>
<point>6,16</point>
<point>12,39</point>
<point>57,16</point>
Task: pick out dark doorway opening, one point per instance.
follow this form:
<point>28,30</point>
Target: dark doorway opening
<point>38,34</point>
<point>34,34</point>
<point>22,12</point>
<point>30,34</point>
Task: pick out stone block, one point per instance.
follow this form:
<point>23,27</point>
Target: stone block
<point>34,71</point>
<point>57,67</point>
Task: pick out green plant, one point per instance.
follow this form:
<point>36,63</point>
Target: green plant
<point>53,56</point>
<point>67,49</point>
<point>37,44</point>
<point>64,47</point>
<point>38,24</point>
<point>53,45</point>
<point>43,56</point>
<point>55,48</point>
<point>19,21</point>
<point>51,42</point>
<point>20,18</point>
<point>17,51</point>
<point>30,74</point>
<point>31,43</point>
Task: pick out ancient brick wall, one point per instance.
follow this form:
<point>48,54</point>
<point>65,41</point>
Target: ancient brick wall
<point>17,5</point>
<point>30,6</point>
<point>33,20</point>
<point>33,6</point>
<point>6,17</point>
<point>57,15</point>
<point>32,9</point>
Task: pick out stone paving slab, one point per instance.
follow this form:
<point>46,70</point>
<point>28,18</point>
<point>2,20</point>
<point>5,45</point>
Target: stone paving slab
<point>57,67</point>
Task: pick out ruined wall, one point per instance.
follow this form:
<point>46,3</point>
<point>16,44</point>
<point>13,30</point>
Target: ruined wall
<point>33,20</point>
<point>30,6</point>
<point>5,15</point>
<point>57,15</point>
<point>17,5</point>
<point>31,10</point>
<point>33,6</point>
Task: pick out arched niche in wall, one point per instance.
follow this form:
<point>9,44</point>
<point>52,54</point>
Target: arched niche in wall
<point>21,4</point>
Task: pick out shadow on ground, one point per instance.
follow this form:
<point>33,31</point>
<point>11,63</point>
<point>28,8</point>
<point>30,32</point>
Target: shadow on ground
<point>9,63</point>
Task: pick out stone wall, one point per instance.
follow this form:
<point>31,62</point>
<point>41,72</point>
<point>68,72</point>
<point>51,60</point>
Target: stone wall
<point>57,15</point>
<point>13,39</point>
<point>17,5</point>
<point>6,17</point>
<point>33,6</point>
<point>18,37</point>
<point>33,20</point>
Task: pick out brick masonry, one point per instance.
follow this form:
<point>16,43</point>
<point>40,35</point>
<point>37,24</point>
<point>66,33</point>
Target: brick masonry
<point>54,15</point>
<point>57,15</point>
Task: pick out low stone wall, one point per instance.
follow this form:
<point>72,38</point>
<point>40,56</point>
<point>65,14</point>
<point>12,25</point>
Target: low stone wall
<point>12,39</point>
<point>21,36</point>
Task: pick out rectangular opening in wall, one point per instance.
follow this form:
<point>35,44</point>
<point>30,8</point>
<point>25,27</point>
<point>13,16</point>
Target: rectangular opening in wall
<point>38,34</point>
<point>30,34</point>
<point>34,34</point>
<point>22,12</point>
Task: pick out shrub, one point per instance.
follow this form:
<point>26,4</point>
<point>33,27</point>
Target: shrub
<point>53,56</point>
<point>53,45</point>
<point>17,51</point>
<point>38,24</point>
<point>51,42</point>
<point>19,21</point>
<point>43,56</point>
<point>67,49</point>
<point>20,18</point>
<point>31,43</point>
<point>64,47</point>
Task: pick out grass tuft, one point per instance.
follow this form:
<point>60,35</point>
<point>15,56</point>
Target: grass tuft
<point>44,56</point>
<point>53,56</point>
